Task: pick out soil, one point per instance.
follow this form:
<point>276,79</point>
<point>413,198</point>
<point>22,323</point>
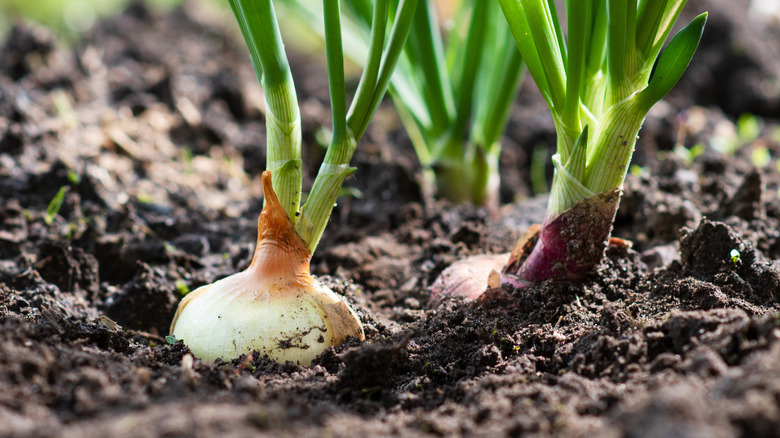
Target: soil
<point>154,127</point>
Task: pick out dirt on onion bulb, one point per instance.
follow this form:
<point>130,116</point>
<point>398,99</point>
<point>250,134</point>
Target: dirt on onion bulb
<point>274,307</point>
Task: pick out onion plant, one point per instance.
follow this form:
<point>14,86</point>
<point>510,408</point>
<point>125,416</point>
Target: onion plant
<point>452,88</point>
<point>599,83</point>
<point>275,306</point>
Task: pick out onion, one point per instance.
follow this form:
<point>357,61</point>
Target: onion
<point>274,307</point>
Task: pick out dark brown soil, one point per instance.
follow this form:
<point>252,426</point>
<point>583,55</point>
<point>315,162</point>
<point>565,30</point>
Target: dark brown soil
<point>153,125</point>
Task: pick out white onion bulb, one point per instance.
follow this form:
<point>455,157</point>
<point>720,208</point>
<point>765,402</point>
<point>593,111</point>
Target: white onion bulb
<point>275,306</point>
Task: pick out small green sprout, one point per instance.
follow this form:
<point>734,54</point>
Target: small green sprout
<point>697,150</point>
<point>171,339</point>
<point>689,154</point>
<point>74,177</point>
<point>186,160</point>
<point>182,287</point>
<point>760,157</point>
<point>748,127</point>
<point>73,230</point>
<point>145,198</point>
<point>54,205</point>
<point>736,257</point>
<point>637,170</point>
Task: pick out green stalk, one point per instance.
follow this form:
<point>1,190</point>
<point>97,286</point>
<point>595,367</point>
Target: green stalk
<point>453,171</point>
<point>371,72</point>
<point>335,167</point>
<point>594,84</point>
<point>521,32</point>
<point>336,84</point>
<point>536,32</point>
<point>498,85</point>
<point>613,147</point>
<point>464,91</point>
<point>652,29</point>
<point>546,38</point>
<point>650,15</point>
<point>616,51</point>
<point>425,50</point>
<point>283,120</point>
<point>390,57</point>
<point>482,162</point>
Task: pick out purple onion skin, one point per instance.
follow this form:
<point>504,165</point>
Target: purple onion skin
<point>568,247</point>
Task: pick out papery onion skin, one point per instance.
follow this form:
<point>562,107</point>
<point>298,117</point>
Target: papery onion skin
<point>274,307</point>
<point>566,248</point>
<point>234,316</point>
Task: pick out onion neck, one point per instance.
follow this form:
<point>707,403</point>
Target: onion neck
<point>281,254</point>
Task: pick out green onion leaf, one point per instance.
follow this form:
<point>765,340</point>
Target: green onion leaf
<point>673,61</point>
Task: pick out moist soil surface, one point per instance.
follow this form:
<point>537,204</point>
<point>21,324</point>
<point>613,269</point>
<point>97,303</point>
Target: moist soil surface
<point>152,126</point>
